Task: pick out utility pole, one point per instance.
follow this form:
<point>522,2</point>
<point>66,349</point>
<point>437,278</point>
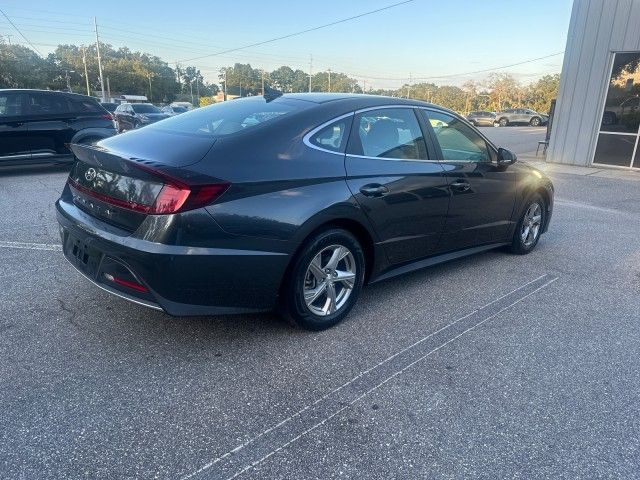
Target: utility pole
<point>198,89</point>
<point>86,75</point>
<point>95,23</point>
<point>329,70</point>
<point>409,86</point>
<point>225,85</point>
<point>364,86</point>
<point>310,70</point>
<point>191,90</point>
<point>150,91</point>
<point>262,72</point>
<point>108,89</point>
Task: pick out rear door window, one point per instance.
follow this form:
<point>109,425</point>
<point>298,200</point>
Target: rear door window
<point>388,133</point>
<point>47,104</point>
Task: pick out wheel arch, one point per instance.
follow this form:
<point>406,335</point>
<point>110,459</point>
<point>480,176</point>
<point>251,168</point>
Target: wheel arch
<point>356,227</point>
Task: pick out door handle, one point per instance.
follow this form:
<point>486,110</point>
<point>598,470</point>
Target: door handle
<point>374,190</point>
<point>460,185</point>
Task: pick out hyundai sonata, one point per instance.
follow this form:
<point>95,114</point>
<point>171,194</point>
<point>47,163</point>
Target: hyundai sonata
<point>291,202</point>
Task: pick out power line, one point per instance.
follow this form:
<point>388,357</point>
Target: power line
<point>21,34</point>
<point>312,29</point>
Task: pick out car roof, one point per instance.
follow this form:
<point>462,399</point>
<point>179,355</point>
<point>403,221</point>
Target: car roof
<point>50,92</point>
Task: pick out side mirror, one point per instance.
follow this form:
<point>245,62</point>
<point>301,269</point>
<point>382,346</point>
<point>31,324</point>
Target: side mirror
<point>506,157</point>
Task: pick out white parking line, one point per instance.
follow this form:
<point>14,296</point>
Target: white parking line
<point>360,375</point>
<point>386,380</point>
<point>31,246</point>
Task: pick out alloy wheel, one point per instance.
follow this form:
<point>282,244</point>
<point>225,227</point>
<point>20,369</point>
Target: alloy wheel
<point>531,225</point>
<point>329,280</point>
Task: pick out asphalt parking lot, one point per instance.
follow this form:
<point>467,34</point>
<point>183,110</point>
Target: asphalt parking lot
<point>492,366</point>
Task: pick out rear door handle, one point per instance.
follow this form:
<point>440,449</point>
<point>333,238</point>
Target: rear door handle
<point>374,190</point>
<point>460,185</point>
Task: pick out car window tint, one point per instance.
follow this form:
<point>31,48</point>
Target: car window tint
<point>230,117</point>
<point>332,137</point>
<point>388,133</point>
<point>10,105</point>
<point>85,106</point>
<point>457,140</point>
<point>47,104</point>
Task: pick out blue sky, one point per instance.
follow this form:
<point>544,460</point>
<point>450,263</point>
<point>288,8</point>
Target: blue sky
<point>425,38</point>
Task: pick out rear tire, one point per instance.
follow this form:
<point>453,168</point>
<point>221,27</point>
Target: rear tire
<point>529,228</point>
<point>503,122</point>
<point>534,122</point>
<point>318,293</point>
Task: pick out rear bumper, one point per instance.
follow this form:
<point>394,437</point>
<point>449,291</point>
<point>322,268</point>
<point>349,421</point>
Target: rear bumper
<point>178,279</point>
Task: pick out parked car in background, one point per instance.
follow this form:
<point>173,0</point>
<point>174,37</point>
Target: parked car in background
<point>187,105</point>
<point>482,118</point>
<point>109,106</point>
<point>36,126</point>
<point>614,114</point>
<point>521,116</point>
<point>174,110</point>
<point>292,201</point>
<point>130,116</point>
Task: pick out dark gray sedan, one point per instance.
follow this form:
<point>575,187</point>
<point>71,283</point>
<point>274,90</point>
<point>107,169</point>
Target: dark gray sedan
<point>292,202</point>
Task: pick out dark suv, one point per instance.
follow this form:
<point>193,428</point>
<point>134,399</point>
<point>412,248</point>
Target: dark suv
<point>36,126</point>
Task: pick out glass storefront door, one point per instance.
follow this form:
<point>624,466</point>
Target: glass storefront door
<point>620,127</point>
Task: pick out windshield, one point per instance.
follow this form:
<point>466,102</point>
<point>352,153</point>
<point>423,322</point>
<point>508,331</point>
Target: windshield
<point>145,108</point>
<point>226,118</point>
<point>179,109</point>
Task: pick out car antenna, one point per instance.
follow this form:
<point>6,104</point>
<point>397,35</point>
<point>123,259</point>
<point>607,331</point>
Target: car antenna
<point>271,93</point>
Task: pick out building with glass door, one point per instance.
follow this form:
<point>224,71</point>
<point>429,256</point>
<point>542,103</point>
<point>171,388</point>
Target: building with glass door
<point>597,116</point>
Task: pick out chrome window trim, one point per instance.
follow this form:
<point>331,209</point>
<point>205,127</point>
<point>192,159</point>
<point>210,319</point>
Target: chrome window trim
<point>307,142</point>
<point>306,139</point>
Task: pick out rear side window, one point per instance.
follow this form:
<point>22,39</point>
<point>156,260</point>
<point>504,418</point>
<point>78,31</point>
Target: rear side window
<point>85,106</point>
<point>47,104</point>
<point>457,140</point>
<point>11,104</point>
<point>230,117</point>
<point>334,136</point>
<point>388,133</point>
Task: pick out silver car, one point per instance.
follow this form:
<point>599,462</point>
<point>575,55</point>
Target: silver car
<point>521,116</point>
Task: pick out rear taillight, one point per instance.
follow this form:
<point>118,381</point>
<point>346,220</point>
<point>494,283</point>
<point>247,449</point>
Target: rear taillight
<point>107,116</point>
<point>174,197</point>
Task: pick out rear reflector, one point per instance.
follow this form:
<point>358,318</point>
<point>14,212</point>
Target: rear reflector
<point>126,283</point>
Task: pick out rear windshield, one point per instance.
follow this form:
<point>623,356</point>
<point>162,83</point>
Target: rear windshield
<point>179,109</point>
<point>145,108</point>
<point>229,117</point>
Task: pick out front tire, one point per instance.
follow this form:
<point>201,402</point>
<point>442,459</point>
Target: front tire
<point>503,122</point>
<point>529,228</point>
<point>534,122</point>
<point>325,280</point>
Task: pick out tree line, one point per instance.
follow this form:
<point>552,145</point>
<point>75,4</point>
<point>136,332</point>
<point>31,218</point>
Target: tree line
<point>139,73</point>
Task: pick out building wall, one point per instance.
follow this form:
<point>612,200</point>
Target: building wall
<point>596,30</point>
